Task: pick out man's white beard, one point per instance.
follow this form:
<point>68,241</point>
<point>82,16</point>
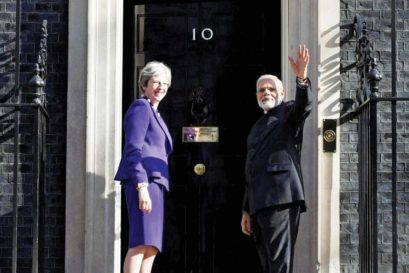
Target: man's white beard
<point>269,104</point>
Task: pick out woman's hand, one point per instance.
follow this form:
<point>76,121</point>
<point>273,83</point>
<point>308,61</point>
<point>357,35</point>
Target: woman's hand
<point>300,66</point>
<point>145,203</point>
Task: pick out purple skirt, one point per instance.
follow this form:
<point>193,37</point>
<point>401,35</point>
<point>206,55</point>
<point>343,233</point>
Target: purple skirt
<point>145,229</point>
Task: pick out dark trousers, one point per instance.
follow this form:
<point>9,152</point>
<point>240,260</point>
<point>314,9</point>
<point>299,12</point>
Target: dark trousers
<point>275,231</point>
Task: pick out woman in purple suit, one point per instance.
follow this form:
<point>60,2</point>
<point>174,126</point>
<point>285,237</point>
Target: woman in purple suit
<point>143,169</point>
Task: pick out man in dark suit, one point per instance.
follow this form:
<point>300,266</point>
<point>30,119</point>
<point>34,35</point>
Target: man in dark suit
<point>274,194</point>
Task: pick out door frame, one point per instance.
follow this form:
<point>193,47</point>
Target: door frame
<point>94,117</point>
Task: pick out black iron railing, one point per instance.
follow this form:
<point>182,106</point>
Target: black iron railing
<point>369,171</point>
<point>367,112</point>
<point>367,154</point>
<point>27,102</point>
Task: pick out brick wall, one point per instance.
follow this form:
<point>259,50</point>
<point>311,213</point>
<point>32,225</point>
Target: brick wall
<point>33,12</point>
<point>377,14</point>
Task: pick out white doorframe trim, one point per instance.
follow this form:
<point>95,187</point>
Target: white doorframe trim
<point>316,23</point>
<point>329,87</point>
<point>285,76</point>
<point>298,26</point>
<point>76,135</point>
<point>94,132</point>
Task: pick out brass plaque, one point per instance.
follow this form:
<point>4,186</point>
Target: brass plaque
<point>200,134</point>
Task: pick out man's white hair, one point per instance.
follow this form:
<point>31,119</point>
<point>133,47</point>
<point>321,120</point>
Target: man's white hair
<point>275,79</point>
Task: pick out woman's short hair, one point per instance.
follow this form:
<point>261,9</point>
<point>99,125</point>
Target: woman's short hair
<point>151,69</point>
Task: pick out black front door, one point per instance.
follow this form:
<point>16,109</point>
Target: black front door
<point>216,51</point>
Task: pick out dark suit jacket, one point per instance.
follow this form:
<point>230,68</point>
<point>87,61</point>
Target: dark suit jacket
<point>273,171</point>
<point>147,146</point>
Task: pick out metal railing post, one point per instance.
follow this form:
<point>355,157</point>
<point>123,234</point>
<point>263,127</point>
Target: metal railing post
<point>16,90</point>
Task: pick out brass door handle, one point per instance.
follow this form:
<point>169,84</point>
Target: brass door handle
<point>199,169</point>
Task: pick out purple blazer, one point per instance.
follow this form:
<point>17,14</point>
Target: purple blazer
<point>148,144</point>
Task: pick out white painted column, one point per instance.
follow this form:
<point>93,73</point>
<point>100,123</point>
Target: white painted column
<point>328,108</point>
<point>316,24</point>
<point>299,26</point>
<point>94,136</point>
<point>76,128</point>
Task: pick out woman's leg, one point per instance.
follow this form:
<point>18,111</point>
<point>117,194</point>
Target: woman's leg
<point>148,258</point>
<point>139,259</point>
